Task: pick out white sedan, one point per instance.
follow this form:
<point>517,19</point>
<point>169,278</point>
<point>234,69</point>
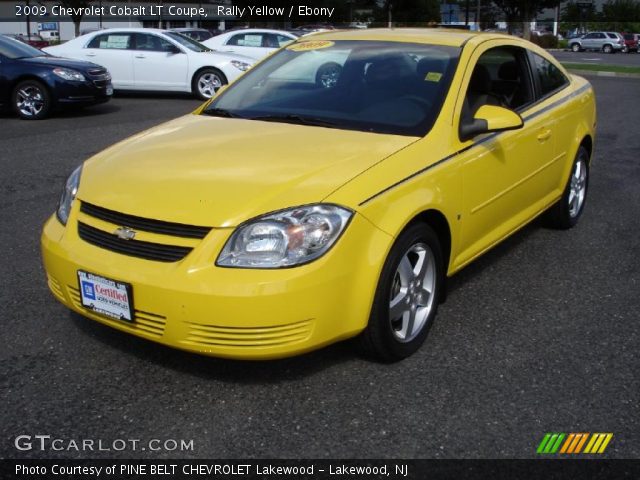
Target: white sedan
<point>151,59</point>
<point>256,43</point>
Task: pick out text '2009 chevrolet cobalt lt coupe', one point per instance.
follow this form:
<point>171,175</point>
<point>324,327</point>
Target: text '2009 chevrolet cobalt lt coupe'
<point>326,194</point>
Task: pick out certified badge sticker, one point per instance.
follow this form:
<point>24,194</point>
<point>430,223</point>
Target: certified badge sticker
<point>310,45</point>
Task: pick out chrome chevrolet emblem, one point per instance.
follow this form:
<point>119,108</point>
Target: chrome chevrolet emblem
<point>125,233</point>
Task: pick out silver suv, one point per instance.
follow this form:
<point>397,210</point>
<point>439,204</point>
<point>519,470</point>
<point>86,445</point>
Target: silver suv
<point>607,42</point>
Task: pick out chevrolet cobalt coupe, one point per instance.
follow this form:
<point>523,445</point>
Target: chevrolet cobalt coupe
<point>288,213</point>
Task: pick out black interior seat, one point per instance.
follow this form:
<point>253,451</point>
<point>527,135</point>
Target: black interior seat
<point>478,93</point>
<point>508,85</point>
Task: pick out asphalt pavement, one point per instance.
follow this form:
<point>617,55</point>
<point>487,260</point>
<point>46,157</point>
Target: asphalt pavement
<point>540,335</point>
<point>598,58</point>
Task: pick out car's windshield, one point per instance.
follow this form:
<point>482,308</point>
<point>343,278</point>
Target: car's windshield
<point>382,87</point>
<point>10,48</point>
<point>185,41</point>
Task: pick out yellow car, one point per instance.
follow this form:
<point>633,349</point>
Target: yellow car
<point>326,194</point>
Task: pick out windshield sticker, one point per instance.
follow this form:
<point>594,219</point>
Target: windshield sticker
<point>433,77</point>
<point>310,45</point>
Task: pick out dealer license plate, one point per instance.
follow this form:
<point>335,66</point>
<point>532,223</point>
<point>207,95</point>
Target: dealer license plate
<point>105,296</point>
<point>109,90</point>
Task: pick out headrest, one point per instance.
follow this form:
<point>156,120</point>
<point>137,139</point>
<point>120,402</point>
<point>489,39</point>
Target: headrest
<point>508,71</point>
<point>480,80</point>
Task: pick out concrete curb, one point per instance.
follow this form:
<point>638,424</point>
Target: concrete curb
<point>594,73</point>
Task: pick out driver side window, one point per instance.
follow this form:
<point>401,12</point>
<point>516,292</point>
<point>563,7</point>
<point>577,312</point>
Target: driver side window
<point>499,78</point>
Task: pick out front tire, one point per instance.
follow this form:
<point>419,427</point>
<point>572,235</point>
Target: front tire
<point>206,83</point>
<point>406,299</point>
<point>575,47</point>
<point>31,100</point>
<point>566,213</point>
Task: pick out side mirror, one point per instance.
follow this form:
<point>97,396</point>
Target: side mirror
<point>490,118</point>
<point>173,50</point>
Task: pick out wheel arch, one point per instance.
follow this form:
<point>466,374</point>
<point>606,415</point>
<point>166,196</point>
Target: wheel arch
<point>37,78</point>
<point>208,67</point>
<point>438,222</point>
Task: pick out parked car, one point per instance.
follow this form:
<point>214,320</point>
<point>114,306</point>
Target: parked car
<point>301,216</point>
<point>152,59</point>
<point>33,83</point>
<point>35,41</point>
<point>631,42</point>
<point>197,34</point>
<point>607,42</point>
<point>252,42</point>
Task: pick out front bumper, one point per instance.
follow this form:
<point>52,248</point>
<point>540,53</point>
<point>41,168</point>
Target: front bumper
<point>81,93</point>
<point>236,313</point>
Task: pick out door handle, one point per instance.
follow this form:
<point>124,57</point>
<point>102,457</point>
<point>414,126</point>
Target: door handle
<point>91,54</point>
<point>544,135</point>
<point>140,56</point>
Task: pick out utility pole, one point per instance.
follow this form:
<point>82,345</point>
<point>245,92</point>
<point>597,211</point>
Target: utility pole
<point>28,21</point>
<point>466,12</point>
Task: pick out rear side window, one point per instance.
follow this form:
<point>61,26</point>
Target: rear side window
<point>116,41</point>
<point>246,40</point>
<point>612,35</point>
<point>549,76</point>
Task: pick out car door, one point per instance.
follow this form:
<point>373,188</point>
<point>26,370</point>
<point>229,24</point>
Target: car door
<point>249,44</point>
<point>158,64</point>
<point>113,51</point>
<point>501,171</point>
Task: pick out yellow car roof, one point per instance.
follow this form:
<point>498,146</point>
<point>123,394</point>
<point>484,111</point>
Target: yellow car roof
<point>433,36</point>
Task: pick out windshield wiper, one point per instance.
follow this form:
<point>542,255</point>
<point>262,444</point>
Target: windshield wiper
<point>296,119</point>
<point>221,112</point>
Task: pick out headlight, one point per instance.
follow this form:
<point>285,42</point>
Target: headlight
<point>68,74</point>
<point>68,195</point>
<point>285,238</point>
<point>240,65</point>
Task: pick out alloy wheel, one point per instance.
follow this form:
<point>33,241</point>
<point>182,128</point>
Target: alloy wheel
<point>30,101</point>
<point>412,292</point>
<point>577,187</point>
<point>208,84</point>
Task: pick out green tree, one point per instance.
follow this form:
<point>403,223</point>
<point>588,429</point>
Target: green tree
<point>621,15</point>
<point>523,11</point>
<point>76,17</point>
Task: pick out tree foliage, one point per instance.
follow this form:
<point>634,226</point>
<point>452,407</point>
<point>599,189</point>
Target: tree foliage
<point>77,18</point>
<point>523,11</point>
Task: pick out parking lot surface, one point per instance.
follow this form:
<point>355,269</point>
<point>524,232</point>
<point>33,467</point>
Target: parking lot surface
<point>540,335</point>
<point>599,58</point>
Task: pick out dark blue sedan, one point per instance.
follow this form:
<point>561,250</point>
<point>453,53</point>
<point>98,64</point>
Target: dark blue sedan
<point>34,83</point>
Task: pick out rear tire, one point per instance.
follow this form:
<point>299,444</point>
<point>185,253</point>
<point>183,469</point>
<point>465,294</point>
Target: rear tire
<point>568,210</point>
<point>406,299</point>
<point>31,100</point>
<point>607,49</point>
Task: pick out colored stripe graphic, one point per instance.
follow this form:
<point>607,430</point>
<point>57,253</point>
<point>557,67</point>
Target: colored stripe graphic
<point>598,442</point>
<point>550,443</point>
<point>573,443</point>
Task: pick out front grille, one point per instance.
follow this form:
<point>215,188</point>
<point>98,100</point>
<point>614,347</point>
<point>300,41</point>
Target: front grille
<point>146,224</point>
<point>143,322</point>
<point>249,337</point>
<point>99,76</point>
<point>134,248</point>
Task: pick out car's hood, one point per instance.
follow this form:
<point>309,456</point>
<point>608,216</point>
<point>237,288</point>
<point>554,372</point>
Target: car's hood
<point>218,172</point>
<point>53,61</point>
